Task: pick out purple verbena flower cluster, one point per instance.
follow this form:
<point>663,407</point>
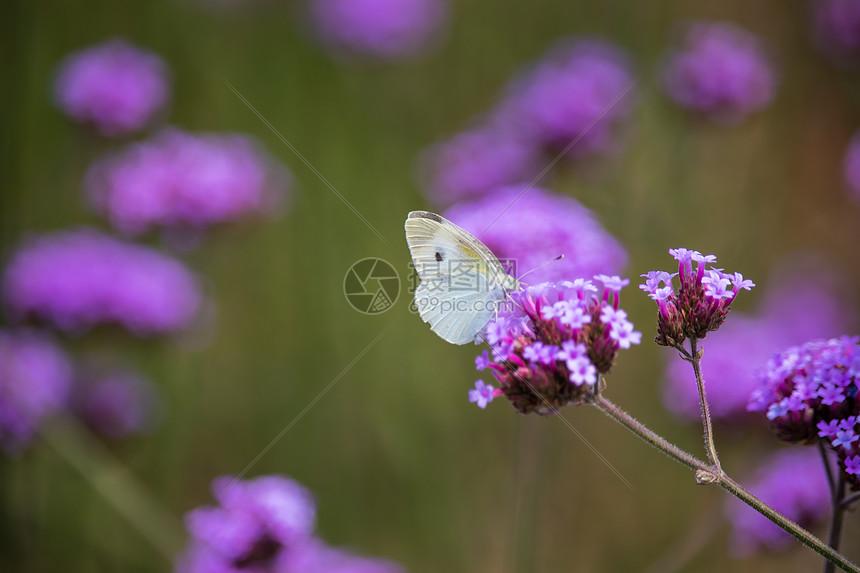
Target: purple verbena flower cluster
<point>552,351</point>
<point>836,29</point>
<point>183,180</point>
<point>805,299</point>
<point>722,71</point>
<point>809,392</point>
<point>537,226</point>
<point>35,377</point>
<point>264,524</point>
<point>386,29</point>
<point>702,301</point>
<point>794,483</point>
<point>577,92</point>
<point>115,404</point>
<point>114,86</point>
<point>77,279</point>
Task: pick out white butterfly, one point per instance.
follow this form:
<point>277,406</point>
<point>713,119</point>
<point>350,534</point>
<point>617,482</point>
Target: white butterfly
<point>463,285</point>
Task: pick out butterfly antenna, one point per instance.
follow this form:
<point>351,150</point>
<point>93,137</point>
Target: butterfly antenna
<point>539,267</point>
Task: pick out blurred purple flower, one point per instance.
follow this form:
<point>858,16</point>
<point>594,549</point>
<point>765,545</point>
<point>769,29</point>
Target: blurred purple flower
<point>794,483</point>
<point>805,299</point>
<point>577,91</point>
<point>475,162</point>
<point>483,393</point>
<point>722,71</point>
<point>836,29</point>
<point>264,525</point>
<point>115,405</point>
<point>537,226</point>
<point>181,180</point>
<point>387,29</point>
<point>80,278</point>
<point>256,522</point>
<point>852,166</point>
<point>114,86</point>
<point>35,376</point>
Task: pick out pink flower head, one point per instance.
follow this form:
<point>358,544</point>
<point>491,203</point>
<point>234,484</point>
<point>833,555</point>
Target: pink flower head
<point>114,86</point>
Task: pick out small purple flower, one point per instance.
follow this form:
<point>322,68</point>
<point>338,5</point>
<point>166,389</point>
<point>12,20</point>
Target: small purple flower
<point>385,29</point>
<point>852,466</point>
<point>256,523</point>
<point>574,316</point>
<point>830,394</point>
<point>777,409</point>
<point>611,316</point>
<point>482,395</point>
<point>653,280</point>
<point>114,86</point>
<point>80,278</point>
<point>477,162</point>
<point>844,439</point>
<point>570,350</point>
<point>582,371</point>
<point>576,92</point>
<point>482,361</point>
<point>794,483</point>
<point>612,283</point>
<point>738,282</point>
<point>722,71</point>
<point>836,29</point>
<point>180,180</point>
<point>624,335</point>
<point>540,352</point>
<point>35,376</point>
<point>537,226</point>
<point>701,303</point>
<point>825,429</point>
<point>546,363</point>
<point>116,404</point>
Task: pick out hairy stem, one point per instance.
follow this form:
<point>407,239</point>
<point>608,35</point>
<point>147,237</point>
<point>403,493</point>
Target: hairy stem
<point>706,474</point>
<point>695,360</point>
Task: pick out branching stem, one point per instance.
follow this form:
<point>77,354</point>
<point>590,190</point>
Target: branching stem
<point>711,474</point>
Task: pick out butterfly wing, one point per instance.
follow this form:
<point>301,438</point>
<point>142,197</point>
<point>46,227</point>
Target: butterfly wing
<point>455,312</point>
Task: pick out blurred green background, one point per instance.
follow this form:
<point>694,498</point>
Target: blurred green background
<point>401,464</point>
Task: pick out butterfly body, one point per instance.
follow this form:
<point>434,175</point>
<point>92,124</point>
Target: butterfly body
<point>463,284</point>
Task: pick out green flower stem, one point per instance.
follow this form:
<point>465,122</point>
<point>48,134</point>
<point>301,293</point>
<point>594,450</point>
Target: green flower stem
<point>707,474</point>
<point>116,484</point>
<point>695,360</point>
